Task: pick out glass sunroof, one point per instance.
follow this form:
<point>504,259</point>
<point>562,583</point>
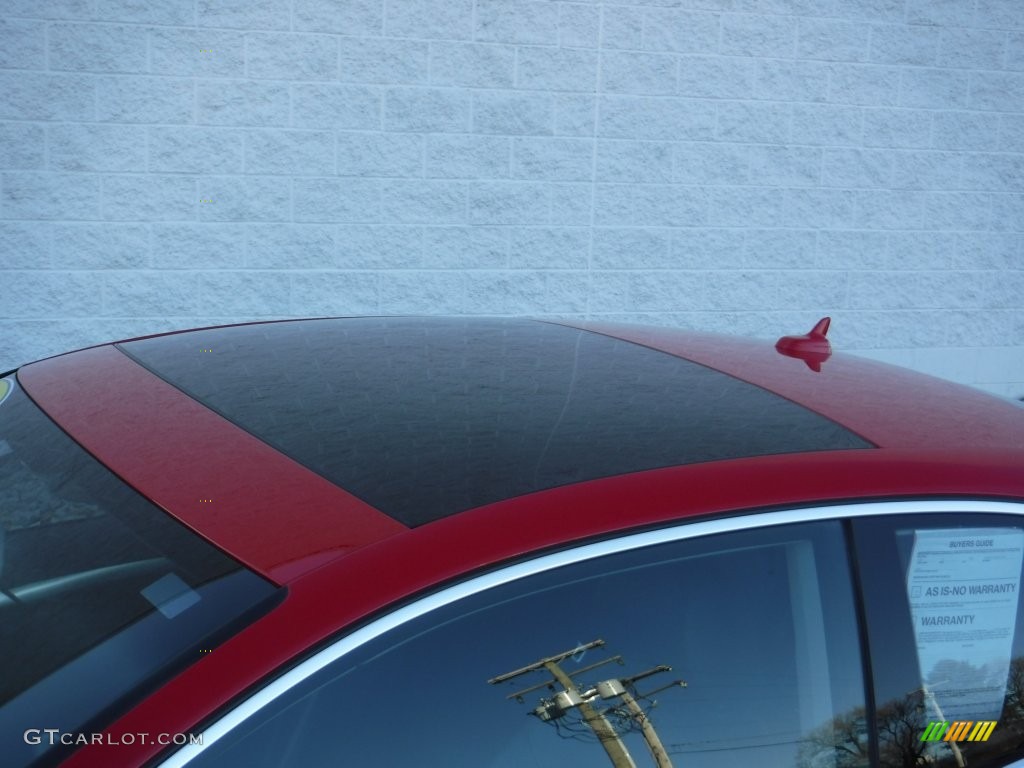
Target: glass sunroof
<point>426,417</point>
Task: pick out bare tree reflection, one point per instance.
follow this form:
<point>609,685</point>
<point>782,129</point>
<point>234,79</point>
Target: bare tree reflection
<point>901,722</point>
<point>842,742</point>
<point>839,743</point>
<point>1013,708</point>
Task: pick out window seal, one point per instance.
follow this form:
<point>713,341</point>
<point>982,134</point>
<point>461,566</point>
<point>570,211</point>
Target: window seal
<point>867,671</point>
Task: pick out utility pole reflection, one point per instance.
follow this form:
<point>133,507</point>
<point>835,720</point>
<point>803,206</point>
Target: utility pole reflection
<point>572,698</point>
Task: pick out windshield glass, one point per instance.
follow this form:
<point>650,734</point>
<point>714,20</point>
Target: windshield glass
<point>102,594</point>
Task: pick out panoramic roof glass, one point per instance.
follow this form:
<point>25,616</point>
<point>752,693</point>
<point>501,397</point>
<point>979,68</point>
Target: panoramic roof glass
<point>426,417</point>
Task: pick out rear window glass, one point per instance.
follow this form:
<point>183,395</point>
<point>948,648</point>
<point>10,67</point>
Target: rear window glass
<point>943,614</point>
<point>102,594</point>
<point>963,585</point>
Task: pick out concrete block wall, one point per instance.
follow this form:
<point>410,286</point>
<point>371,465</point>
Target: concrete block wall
<point>743,166</point>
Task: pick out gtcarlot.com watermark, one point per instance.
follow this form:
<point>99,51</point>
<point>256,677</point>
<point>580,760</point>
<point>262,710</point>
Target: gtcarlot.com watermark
<point>54,736</point>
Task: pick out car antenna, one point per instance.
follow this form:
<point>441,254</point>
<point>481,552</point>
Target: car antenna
<point>812,347</point>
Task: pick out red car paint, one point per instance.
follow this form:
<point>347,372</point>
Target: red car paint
<point>934,440</point>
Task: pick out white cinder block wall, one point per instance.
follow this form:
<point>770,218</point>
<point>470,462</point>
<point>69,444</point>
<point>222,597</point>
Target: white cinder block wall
<point>731,165</point>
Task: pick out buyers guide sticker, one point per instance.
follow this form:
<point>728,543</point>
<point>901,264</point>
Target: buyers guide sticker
<point>964,588</point>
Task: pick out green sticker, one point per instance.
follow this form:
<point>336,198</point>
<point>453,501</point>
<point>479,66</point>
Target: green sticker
<point>5,389</point>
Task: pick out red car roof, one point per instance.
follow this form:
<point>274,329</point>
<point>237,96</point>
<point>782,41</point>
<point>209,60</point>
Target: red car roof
<point>930,438</point>
<point>283,519</point>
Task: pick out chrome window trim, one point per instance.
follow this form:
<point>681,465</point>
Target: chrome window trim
<point>523,569</point>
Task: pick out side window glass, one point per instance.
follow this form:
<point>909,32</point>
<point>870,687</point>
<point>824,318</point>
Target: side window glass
<point>726,650</point>
<point>942,597</point>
